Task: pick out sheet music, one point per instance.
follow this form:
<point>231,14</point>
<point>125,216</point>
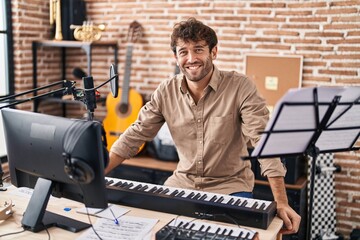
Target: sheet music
<point>296,117</point>
<point>129,228</point>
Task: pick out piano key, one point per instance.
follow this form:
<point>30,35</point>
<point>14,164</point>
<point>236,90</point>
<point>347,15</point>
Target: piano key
<point>159,190</point>
<point>180,193</point>
<point>143,188</point>
<point>213,198</point>
<point>191,195</point>
<point>230,202</point>
<point>204,196</point>
<point>237,202</point>
<point>220,199</point>
<point>137,187</point>
<point>197,196</point>
<point>166,190</point>
<point>262,206</point>
<point>174,193</point>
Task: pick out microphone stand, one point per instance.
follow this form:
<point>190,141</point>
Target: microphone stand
<point>67,89</point>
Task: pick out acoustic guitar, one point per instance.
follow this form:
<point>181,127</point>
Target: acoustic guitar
<point>121,114</point>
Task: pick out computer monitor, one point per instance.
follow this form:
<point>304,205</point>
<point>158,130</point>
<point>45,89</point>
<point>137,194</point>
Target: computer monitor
<point>55,156</point>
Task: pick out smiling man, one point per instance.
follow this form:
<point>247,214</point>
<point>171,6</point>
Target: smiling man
<point>213,117</point>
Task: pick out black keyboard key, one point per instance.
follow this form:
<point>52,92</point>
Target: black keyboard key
<point>190,195</point>
<point>180,194</point>
<point>174,193</point>
<point>197,196</point>
<point>213,199</point>
<point>220,200</point>
<point>230,201</point>
<point>237,203</point>
<point>203,197</point>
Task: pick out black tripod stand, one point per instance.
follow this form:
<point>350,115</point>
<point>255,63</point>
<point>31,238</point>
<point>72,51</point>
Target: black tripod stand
<point>312,121</point>
<point>86,95</point>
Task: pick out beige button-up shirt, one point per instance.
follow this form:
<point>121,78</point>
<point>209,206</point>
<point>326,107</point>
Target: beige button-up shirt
<point>210,136</point>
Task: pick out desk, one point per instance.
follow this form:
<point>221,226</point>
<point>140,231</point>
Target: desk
<point>56,205</point>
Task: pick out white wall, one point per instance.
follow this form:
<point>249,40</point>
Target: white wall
<point>2,139</point>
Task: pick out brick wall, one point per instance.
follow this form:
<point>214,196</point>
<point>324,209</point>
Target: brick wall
<point>326,33</point>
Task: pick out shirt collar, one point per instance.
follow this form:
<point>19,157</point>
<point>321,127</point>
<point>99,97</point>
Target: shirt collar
<point>214,81</point>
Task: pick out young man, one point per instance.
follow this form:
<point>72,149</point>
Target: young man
<point>213,117</point>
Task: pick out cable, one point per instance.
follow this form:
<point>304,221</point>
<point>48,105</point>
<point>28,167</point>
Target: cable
<point>8,234</point>
<point>88,215</point>
<point>47,231</point>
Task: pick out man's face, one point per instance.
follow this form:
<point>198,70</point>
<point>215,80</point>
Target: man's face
<point>195,59</point>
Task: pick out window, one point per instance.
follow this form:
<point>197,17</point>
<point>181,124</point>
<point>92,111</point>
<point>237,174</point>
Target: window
<point>6,63</point>
<point>6,49</point>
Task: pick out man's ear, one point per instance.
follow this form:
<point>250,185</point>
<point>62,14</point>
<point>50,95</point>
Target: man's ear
<point>176,59</point>
<point>214,52</point>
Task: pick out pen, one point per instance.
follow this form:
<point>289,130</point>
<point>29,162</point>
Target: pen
<point>115,219</point>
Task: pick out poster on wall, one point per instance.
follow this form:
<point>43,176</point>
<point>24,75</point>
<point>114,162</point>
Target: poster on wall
<point>274,74</point>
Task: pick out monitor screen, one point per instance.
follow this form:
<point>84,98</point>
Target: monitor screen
<point>58,156</point>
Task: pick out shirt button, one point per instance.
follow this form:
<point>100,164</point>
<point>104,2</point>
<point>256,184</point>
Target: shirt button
<point>200,142</point>
<point>199,162</point>
<point>199,120</point>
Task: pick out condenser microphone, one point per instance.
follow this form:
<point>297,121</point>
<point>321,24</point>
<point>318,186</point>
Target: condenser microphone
<point>79,73</point>
<point>89,92</point>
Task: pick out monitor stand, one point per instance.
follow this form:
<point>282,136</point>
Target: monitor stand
<point>36,218</point>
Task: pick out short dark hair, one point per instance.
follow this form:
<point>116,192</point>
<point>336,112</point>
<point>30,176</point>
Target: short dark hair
<point>193,30</point>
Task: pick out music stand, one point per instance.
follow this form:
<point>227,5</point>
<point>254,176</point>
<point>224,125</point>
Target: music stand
<point>312,121</point>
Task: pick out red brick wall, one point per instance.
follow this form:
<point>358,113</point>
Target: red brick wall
<point>326,33</point>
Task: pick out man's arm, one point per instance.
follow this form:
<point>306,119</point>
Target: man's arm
<point>114,161</point>
<point>290,218</point>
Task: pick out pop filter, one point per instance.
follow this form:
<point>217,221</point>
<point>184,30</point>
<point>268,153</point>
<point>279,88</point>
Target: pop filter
<point>114,83</point>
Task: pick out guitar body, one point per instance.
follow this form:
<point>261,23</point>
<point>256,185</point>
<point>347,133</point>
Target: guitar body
<point>116,120</point>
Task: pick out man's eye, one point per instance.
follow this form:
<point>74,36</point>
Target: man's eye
<point>182,53</point>
<point>199,50</point>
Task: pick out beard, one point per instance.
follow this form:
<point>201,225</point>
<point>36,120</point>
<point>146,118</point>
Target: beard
<point>195,75</point>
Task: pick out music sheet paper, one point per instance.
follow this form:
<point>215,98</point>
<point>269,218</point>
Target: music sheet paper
<point>128,228</point>
<point>291,118</point>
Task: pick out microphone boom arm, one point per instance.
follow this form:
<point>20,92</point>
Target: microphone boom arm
<point>68,89</point>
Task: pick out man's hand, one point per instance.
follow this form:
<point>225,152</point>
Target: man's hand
<point>114,161</point>
<point>290,218</point>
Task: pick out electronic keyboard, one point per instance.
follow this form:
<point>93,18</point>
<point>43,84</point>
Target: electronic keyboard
<point>192,203</point>
<point>185,229</point>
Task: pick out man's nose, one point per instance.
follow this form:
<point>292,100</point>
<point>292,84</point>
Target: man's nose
<point>191,57</point>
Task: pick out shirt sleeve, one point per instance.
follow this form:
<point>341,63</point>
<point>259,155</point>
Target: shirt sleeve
<point>254,117</point>
<point>272,167</point>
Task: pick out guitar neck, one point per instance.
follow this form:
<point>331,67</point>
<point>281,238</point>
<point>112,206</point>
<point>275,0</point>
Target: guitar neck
<point>127,74</point>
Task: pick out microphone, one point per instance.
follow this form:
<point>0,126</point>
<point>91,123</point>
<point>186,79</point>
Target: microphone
<point>90,96</point>
<point>78,73</point>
